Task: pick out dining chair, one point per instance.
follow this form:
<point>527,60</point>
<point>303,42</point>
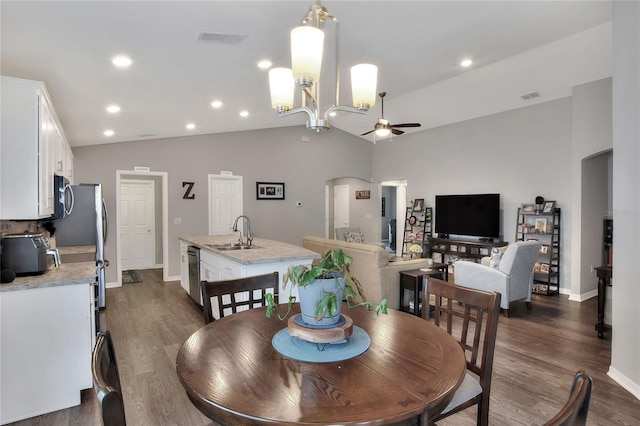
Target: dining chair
<point>106,381</point>
<point>244,293</point>
<point>575,410</point>
<point>474,313</point>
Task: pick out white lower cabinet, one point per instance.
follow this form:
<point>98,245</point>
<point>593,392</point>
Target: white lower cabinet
<point>46,340</point>
<point>184,266</point>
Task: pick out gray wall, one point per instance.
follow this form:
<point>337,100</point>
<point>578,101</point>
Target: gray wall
<point>274,155</point>
<point>520,154</point>
<point>363,213</point>
<point>591,135</point>
<point>625,345</point>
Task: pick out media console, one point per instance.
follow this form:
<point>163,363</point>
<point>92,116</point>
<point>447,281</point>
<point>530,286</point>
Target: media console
<point>462,248</point>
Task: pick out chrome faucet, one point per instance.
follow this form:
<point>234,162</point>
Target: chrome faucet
<point>249,234</point>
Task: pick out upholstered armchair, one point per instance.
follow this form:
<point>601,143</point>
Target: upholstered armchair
<point>513,278</point>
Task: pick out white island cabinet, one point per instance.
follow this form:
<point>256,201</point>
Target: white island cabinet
<point>47,332</point>
<point>266,257</point>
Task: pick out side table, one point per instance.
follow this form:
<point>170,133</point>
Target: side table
<point>411,280</point>
<point>604,274</point>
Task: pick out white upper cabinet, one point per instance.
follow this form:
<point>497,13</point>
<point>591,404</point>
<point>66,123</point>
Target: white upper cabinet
<point>33,148</point>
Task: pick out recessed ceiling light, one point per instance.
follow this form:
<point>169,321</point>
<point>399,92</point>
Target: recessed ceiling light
<point>466,63</point>
<point>121,61</point>
<point>265,64</point>
<point>244,114</point>
<point>191,126</point>
<point>216,104</point>
<point>108,132</point>
<point>113,109</point>
<point>333,114</point>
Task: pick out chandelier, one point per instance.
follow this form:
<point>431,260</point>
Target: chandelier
<point>306,60</point>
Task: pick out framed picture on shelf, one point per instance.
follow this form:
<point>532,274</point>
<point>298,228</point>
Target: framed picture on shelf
<point>418,204</point>
<point>269,191</point>
<point>548,207</point>
<point>528,208</point>
<point>536,267</point>
<point>544,267</point>
<point>544,249</point>
<point>541,225</point>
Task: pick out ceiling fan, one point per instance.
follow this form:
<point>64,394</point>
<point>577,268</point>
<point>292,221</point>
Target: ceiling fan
<point>382,128</point>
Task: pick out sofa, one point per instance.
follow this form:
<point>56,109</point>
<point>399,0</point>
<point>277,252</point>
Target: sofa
<point>371,265</point>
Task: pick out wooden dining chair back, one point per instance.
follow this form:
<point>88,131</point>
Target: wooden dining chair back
<point>230,296</point>
<point>471,317</point>
<point>106,381</point>
<point>575,410</point>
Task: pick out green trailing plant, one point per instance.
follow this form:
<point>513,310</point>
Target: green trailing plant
<point>334,264</point>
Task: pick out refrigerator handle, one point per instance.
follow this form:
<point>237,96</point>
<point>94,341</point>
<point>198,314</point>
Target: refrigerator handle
<point>105,218</point>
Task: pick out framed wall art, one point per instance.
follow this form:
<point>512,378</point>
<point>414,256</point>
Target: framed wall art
<point>363,195</point>
<point>269,190</point>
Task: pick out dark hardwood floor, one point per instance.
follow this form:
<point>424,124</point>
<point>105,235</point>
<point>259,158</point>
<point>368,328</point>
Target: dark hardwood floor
<point>537,355</point>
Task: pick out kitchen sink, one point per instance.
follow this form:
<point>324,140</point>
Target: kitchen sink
<point>230,246</point>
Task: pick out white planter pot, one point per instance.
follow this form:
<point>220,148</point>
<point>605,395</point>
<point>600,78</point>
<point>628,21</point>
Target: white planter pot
<point>311,294</point>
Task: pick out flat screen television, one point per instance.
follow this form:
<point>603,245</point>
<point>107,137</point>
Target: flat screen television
<point>475,215</point>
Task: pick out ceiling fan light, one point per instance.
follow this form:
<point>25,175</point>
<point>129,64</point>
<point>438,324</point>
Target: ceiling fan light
<point>364,79</point>
<point>383,132</point>
<point>306,54</point>
<point>281,86</point>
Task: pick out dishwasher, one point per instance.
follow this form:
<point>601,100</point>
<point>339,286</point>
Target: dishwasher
<point>193,254</point>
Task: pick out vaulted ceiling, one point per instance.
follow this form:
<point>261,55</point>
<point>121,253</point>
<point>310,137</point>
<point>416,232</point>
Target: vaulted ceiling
<point>517,47</point>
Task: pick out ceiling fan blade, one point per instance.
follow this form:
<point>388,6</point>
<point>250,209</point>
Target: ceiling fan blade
<point>396,131</point>
<point>406,125</point>
<point>370,131</point>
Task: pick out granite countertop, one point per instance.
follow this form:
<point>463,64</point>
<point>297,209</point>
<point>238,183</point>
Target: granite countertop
<point>65,274</point>
<point>265,251</point>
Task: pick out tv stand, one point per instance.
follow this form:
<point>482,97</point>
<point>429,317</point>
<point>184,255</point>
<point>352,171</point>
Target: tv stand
<point>464,249</point>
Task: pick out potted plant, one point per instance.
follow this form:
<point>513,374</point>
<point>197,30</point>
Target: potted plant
<point>321,288</point>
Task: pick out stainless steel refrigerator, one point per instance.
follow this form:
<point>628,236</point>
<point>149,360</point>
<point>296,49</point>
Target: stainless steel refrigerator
<point>87,225</point>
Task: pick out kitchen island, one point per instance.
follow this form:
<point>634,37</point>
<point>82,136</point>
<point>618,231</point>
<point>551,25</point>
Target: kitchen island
<point>47,332</point>
<point>215,264</point>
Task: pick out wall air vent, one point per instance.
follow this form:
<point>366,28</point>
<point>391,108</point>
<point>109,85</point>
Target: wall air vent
<point>222,38</point>
<point>530,96</point>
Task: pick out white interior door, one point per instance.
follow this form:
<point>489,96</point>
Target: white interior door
<point>137,224</point>
<point>225,203</point>
<point>340,207</point>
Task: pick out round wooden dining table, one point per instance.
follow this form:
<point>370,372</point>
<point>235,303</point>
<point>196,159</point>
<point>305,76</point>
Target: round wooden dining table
<point>232,373</point>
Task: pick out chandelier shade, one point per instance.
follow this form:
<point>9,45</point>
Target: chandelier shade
<point>307,48</point>
<point>307,44</point>
<point>282,86</point>
<point>363,85</point>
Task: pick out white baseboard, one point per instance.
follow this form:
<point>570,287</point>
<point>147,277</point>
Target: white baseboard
<point>584,296</point>
<point>112,285</point>
<point>624,381</point>
<point>174,278</point>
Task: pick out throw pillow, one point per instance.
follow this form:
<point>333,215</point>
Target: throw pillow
<point>360,236</point>
<point>496,256</point>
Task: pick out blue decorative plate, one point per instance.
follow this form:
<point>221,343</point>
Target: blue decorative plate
<point>300,350</point>
<point>298,320</point>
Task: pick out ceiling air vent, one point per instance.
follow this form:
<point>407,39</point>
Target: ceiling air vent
<point>530,96</point>
<point>222,38</point>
